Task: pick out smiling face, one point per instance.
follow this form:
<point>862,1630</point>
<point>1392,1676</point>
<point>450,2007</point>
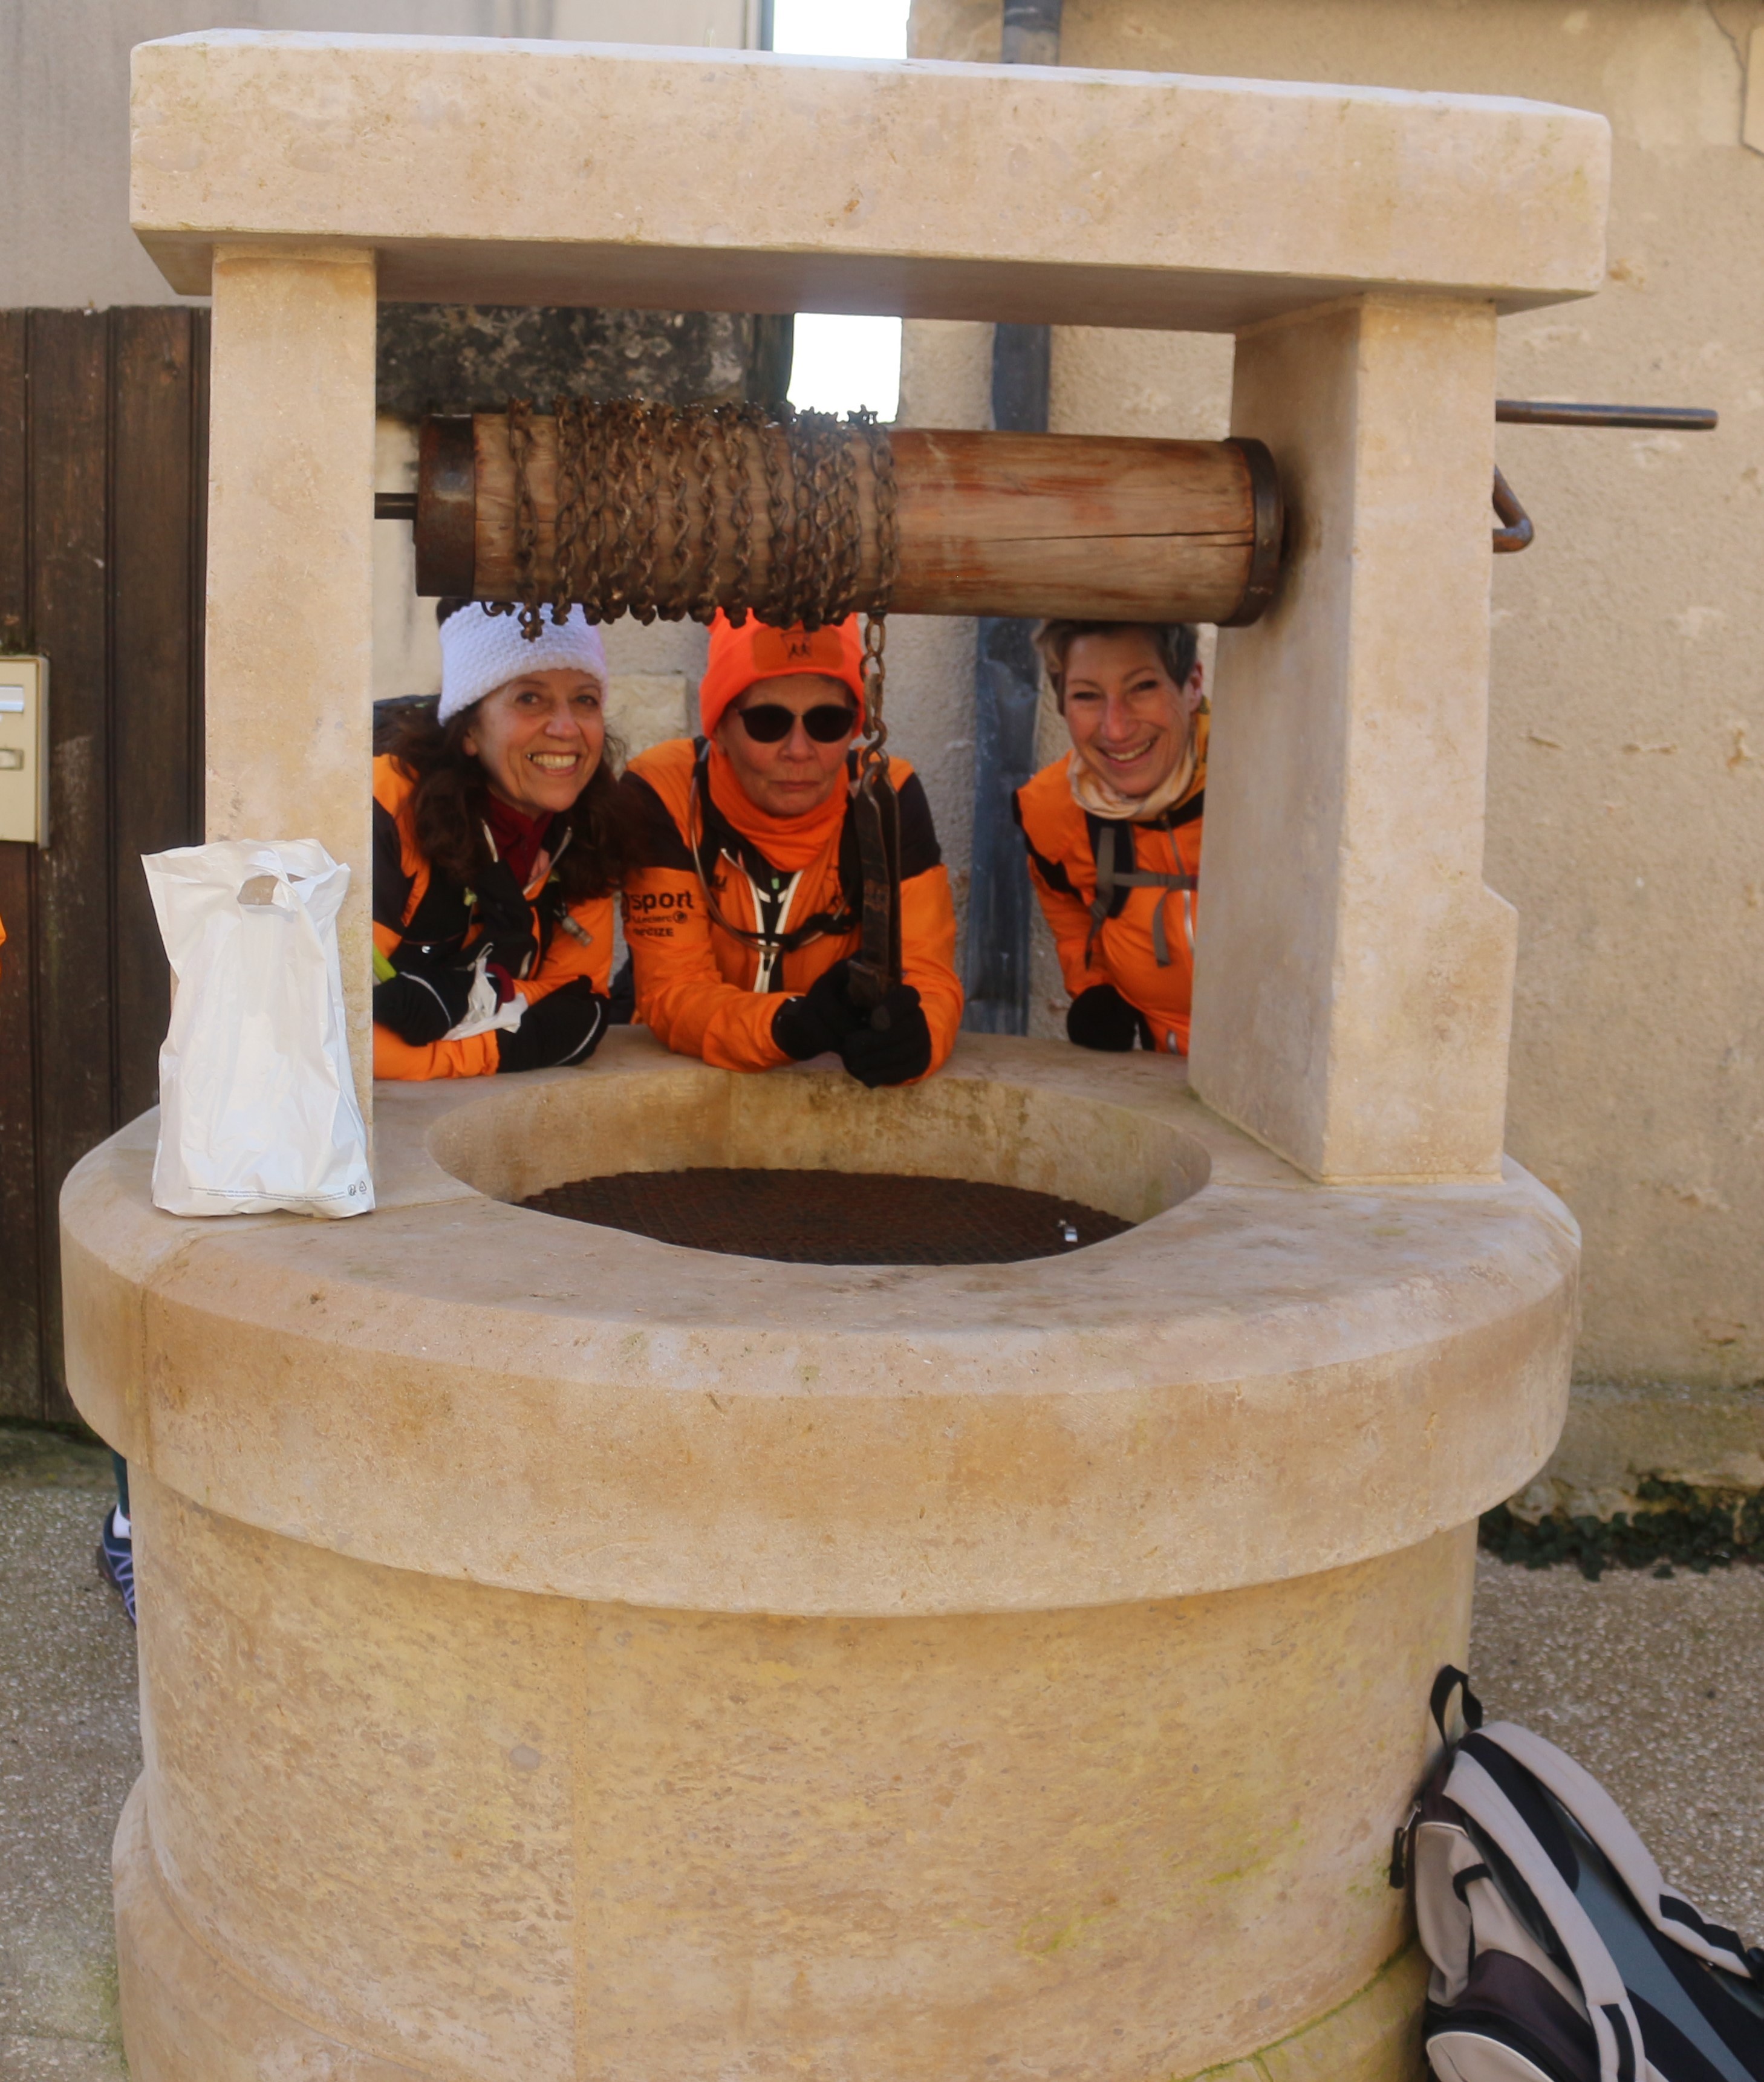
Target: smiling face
<point>1130,722</point>
<point>539,738</point>
<point>798,773</point>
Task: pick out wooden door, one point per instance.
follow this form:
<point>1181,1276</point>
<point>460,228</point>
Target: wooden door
<point>104,428</point>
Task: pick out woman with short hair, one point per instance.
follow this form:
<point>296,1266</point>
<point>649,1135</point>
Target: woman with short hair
<point>1113,828</point>
<point>496,852</point>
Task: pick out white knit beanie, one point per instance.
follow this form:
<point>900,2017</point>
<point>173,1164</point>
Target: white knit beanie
<point>481,652</point>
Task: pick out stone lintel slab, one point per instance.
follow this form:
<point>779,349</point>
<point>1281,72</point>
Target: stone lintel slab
<point>1265,1378</point>
<point>498,172</point>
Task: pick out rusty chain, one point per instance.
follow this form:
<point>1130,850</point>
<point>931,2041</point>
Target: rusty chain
<point>592,532</point>
<point>873,750</point>
<point>729,424</point>
<point>702,605</point>
<point>569,579</point>
<point>846,551</point>
<point>644,543</point>
<point>616,492</point>
<point>887,497</point>
<point>637,527</point>
<point>773,438</point>
<point>526,521</point>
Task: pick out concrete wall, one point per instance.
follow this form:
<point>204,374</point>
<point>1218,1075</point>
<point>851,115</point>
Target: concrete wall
<point>1626,761</point>
<point>64,240</point>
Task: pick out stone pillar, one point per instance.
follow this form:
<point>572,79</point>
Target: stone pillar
<point>1354,980</point>
<point>290,581</point>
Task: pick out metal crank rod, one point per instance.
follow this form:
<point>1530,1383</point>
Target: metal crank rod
<point>1515,531</point>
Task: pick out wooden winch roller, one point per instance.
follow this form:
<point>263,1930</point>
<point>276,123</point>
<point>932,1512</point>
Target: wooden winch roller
<point>680,510</point>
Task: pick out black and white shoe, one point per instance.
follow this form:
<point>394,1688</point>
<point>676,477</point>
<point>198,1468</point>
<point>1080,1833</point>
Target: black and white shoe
<point>116,1561</point>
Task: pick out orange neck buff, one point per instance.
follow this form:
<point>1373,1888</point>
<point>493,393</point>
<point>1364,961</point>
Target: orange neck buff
<point>789,843</point>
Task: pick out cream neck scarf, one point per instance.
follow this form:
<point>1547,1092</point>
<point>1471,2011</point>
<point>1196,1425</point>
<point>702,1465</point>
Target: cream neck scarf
<point>1093,794</point>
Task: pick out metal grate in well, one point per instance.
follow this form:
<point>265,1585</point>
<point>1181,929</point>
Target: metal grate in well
<point>833,1217</point>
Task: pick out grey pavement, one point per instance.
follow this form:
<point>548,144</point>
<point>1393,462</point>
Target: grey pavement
<point>1656,1686</point>
<point>70,1751</point>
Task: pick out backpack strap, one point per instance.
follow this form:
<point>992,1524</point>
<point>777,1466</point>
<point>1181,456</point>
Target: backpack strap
<point>1450,1680</point>
<point>1116,874</point>
<point>1606,1823</point>
<point>1620,2055</point>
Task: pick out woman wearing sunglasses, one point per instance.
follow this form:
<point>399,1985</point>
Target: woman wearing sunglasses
<point>496,853</point>
<point>742,906</point>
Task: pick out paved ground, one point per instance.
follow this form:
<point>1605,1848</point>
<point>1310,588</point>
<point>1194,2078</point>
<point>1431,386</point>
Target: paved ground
<point>1656,1686</point>
<point>70,1751</point>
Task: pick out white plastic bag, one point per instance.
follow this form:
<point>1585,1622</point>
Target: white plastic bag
<point>257,1108</point>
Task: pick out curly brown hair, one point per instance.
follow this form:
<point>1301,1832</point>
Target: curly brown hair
<point>449,804</point>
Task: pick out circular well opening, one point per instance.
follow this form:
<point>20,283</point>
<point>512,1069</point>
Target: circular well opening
<point>816,1217</point>
<point>810,1168</point>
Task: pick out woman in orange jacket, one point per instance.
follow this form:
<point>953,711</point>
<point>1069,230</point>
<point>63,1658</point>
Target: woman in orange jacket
<point>1113,828</point>
<point>496,853</point>
<point>742,903</point>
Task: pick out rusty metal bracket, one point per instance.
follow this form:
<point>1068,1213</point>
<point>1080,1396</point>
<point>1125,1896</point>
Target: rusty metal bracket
<point>1515,531</point>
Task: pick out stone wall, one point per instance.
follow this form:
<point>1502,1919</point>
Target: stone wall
<point>64,109</point>
<point>1626,761</point>
<point>472,358</point>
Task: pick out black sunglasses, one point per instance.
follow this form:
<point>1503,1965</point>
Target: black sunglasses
<point>769,723</point>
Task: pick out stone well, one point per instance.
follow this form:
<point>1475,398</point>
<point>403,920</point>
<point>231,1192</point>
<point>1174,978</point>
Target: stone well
<point>565,1654</point>
<point>566,1658</point>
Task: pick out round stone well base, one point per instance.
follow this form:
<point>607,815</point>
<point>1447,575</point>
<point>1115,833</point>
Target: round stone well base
<point>566,1655</point>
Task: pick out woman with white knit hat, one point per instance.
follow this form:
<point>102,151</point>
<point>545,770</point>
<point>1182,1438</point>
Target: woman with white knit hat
<point>496,854</point>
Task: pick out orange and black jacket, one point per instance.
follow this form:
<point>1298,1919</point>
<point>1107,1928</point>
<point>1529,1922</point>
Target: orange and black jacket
<point>424,912</point>
<point>1137,935</point>
<point>705,991</point>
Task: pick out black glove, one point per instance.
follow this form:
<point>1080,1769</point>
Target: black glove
<point>894,1044</point>
<point>564,1027</point>
<point>505,920</point>
<point>820,1020</point>
<point>420,1004</point>
<point>1100,1018</point>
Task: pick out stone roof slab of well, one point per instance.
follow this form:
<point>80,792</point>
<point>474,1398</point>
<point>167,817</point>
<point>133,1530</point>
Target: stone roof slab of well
<point>504,171</point>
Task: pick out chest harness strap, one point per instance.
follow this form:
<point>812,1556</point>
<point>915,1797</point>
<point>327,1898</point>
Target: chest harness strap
<point>710,835</point>
<point>1112,847</point>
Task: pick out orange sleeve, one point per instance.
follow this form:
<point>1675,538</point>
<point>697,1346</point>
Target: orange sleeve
<point>928,958</point>
<point>570,957</point>
<point>1069,921</point>
<point>682,997</point>
<point>566,960</point>
<point>1049,824</point>
<point>393,1058</point>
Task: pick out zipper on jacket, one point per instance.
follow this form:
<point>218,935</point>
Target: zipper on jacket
<point>771,915</point>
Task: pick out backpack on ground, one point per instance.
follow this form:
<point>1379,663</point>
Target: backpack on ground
<point>1559,1954</point>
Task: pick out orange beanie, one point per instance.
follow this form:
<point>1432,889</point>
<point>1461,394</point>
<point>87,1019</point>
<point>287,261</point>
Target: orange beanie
<point>756,651</point>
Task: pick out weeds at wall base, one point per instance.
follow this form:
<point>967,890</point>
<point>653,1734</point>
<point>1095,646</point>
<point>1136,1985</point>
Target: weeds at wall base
<point>1693,1529</point>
